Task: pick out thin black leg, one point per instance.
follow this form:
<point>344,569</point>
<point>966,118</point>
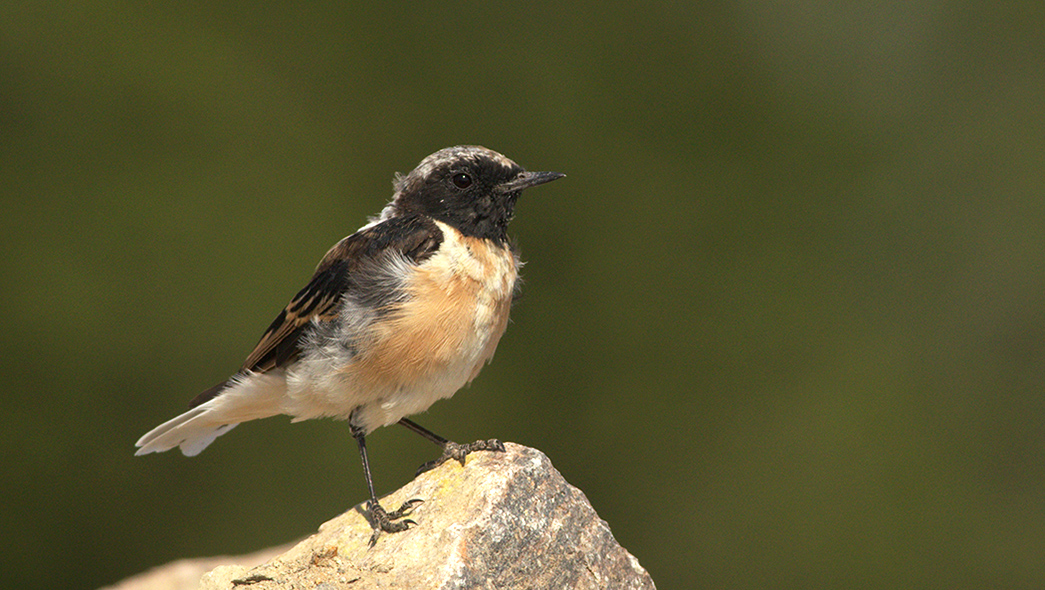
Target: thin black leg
<point>415,427</point>
<point>381,520</point>
<point>451,450</point>
<point>361,441</point>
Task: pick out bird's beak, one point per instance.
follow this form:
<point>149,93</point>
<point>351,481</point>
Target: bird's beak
<point>526,180</point>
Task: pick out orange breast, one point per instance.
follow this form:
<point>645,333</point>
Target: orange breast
<point>450,322</point>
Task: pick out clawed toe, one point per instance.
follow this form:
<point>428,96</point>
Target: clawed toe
<point>390,522</point>
<point>430,465</point>
<point>405,509</point>
<point>458,452</point>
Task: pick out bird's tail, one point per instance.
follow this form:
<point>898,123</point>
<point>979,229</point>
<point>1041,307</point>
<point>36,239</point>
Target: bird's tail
<point>246,397</point>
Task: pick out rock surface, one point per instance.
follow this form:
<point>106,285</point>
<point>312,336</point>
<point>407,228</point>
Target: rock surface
<point>505,520</point>
<point>185,574</point>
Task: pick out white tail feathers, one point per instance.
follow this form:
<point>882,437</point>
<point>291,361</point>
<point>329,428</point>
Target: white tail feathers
<point>249,397</point>
<point>192,431</point>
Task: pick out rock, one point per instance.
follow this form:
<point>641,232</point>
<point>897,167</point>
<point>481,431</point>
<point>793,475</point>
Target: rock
<point>185,574</point>
<point>505,520</point>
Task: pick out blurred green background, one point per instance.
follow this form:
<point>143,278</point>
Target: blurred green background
<point>784,323</point>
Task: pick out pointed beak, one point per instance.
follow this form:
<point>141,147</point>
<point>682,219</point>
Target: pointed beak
<point>526,180</point>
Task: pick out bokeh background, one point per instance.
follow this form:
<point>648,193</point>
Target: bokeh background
<point>784,323</point>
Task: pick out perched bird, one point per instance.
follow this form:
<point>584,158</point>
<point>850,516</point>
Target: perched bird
<point>398,315</point>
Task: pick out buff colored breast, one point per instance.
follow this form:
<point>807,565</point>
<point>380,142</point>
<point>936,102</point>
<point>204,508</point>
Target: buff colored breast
<point>445,331</point>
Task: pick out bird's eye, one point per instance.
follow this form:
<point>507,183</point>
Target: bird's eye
<point>462,180</point>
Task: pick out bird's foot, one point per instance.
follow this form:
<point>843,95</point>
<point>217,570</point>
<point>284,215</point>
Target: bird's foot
<point>458,452</point>
<point>389,522</point>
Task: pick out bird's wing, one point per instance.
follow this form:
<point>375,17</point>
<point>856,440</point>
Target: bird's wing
<point>346,270</point>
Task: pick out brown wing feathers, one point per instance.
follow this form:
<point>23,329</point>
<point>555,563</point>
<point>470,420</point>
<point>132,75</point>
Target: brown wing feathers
<point>413,237</point>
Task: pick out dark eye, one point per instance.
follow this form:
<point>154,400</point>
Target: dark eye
<point>462,180</point>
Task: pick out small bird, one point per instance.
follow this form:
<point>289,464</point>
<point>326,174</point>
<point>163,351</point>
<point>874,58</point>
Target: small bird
<point>398,315</point>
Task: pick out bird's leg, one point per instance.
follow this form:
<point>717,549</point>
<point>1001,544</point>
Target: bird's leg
<point>379,519</point>
<point>451,450</point>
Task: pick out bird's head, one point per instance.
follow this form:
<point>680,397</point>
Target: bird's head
<point>471,188</point>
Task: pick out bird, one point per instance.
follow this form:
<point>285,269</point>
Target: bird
<point>398,315</point>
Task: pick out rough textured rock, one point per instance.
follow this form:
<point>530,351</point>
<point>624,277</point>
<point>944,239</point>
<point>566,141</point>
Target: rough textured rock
<point>185,574</point>
<point>505,520</point>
